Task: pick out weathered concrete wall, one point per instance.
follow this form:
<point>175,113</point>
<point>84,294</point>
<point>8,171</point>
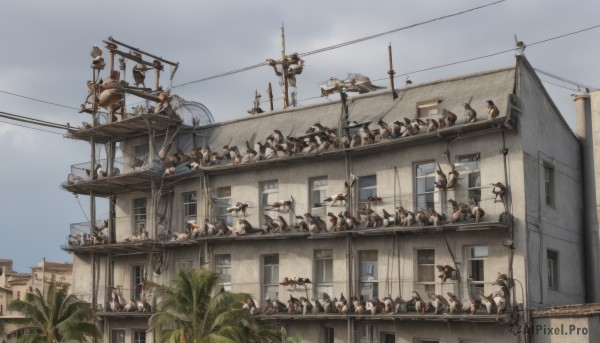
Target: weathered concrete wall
<point>548,141</point>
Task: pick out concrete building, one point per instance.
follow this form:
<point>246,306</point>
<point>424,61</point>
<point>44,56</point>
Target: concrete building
<point>14,285</point>
<point>534,234</point>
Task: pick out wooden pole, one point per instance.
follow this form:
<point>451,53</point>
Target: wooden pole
<point>123,67</point>
<point>270,91</point>
<point>284,66</point>
<point>391,72</point>
<point>158,67</point>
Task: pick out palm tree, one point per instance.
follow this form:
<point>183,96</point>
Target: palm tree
<point>192,310</point>
<point>59,317</point>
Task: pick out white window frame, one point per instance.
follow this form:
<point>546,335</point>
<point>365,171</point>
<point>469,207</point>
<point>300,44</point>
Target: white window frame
<point>223,268</point>
<point>322,189</point>
<point>223,202</point>
<point>270,287</point>
<point>427,109</point>
<point>140,153</point>
<point>325,258</point>
<point>477,282</point>
<point>428,285</point>
<point>470,171</point>
<point>368,273</point>
<point>365,191</point>
<point>428,195</point>
<point>138,216</point>
<point>190,206</point>
<point>135,338</point>
<point>136,280</point>
<point>367,333</point>
<point>269,193</point>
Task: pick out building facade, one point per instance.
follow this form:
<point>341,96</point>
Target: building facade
<point>164,180</point>
<point>14,285</point>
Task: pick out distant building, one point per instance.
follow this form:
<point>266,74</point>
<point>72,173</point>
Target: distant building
<point>533,234</point>
<point>14,285</point>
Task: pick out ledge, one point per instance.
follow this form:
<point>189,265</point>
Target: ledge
<point>140,181</point>
<point>124,315</point>
<point>131,127</point>
<point>155,246</point>
<point>478,318</point>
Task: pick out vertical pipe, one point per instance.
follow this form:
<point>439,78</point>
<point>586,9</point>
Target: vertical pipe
<point>270,90</point>
<point>122,67</point>
<point>391,72</point>
<point>349,283</point>
<point>586,110</point>
<point>284,66</point>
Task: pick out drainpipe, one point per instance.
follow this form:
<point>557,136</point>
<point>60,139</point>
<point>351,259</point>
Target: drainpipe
<point>586,126</point>
<point>349,287</point>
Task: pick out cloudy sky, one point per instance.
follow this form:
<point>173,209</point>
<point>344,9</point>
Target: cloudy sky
<point>45,49</point>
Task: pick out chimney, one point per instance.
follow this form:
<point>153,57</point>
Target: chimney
<point>587,113</point>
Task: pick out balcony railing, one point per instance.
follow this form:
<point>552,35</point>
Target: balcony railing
<point>82,235</point>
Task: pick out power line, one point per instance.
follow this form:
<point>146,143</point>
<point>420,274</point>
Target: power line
<point>564,79</point>
<point>33,121</point>
<point>490,55</point>
<point>29,127</point>
<point>39,100</point>
<point>336,46</point>
<point>561,86</point>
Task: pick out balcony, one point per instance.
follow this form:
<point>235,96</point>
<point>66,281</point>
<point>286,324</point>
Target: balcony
<point>494,219</point>
<point>130,127</point>
<point>129,174</point>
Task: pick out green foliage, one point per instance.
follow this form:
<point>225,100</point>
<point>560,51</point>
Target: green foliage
<point>297,338</point>
<point>58,317</point>
<point>192,310</point>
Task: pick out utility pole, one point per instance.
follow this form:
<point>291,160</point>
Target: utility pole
<point>287,68</point>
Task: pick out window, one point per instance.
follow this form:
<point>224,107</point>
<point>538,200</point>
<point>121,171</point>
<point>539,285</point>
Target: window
<point>271,276</point>
<point>426,268</point>
<point>367,186</point>
<point>223,202</point>
<point>388,338</point>
<point>138,282</point>
<point>549,184</point>
<point>270,194</point>
<point>425,185</point>
<point>323,272</point>
<point>369,286</point>
<point>140,156</point>
<point>427,110</point>
<point>139,336</point>
<point>552,257</point>
<point>139,215</point>
<point>327,335</point>
<point>367,333</point>
<point>223,268</point>
<point>469,165</point>
<point>189,206</point>
<point>476,256</point>
<point>318,191</point>
<point>118,336</point>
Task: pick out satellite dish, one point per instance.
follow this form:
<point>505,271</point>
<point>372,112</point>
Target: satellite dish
<point>96,51</point>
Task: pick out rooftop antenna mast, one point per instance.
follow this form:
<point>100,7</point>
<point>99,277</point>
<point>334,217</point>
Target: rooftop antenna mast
<point>287,68</point>
<point>391,72</point>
